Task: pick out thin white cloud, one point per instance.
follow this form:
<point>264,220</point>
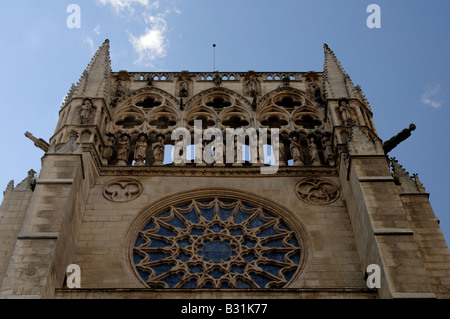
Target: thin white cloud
<point>153,43</point>
<point>90,42</point>
<point>97,30</point>
<point>429,96</point>
<point>122,4</point>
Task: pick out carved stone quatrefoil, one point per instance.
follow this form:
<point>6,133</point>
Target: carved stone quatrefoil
<point>122,190</point>
<point>317,191</point>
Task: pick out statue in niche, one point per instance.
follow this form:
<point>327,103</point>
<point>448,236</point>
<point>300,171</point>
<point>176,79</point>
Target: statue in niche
<point>201,155</point>
<point>179,157</point>
<point>219,150</point>
<point>122,81</point>
<point>315,161</point>
<point>217,79</point>
<point>109,148</point>
<point>237,153</point>
<point>344,109</point>
<point>140,151</point>
<point>123,150</point>
<point>86,110</point>
<point>158,150</point>
<point>311,85</point>
<point>296,150</point>
<point>327,148</point>
<point>251,85</point>
<point>281,149</point>
<point>184,88</point>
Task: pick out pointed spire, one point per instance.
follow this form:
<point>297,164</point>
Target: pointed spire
<point>337,83</point>
<point>95,80</point>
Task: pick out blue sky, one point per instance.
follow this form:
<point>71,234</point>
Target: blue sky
<point>402,67</point>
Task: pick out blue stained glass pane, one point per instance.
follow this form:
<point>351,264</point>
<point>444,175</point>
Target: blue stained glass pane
<point>137,258</point>
<point>165,232</point>
<point>194,269</point>
<point>208,214</point>
<point>224,214</point>
<point>260,280</point>
<point>283,226</point>
<point>293,241</point>
<point>236,231</point>
<point>225,285</point>
<point>184,243</point>
<point>256,222</point>
<point>197,232</point>
<point>183,257</point>
<point>274,243</point>
<point>243,284</point>
<point>216,228</point>
<point>250,257</point>
<point>158,243</point>
<point>154,256</point>
<point>172,280</point>
<point>295,257</point>
<point>216,250</point>
<point>278,256</point>
<point>149,226</point>
<point>271,269</point>
<point>177,222</point>
<point>139,241</point>
<point>249,243</point>
<point>208,285</point>
<point>144,275</point>
<point>288,274</point>
<point>216,273</point>
<point>191,216</point>
<point>163,268</point>
<point>238,269</point>
<point>241,216</point>
<point>269,231</point>
<point>190,284</point>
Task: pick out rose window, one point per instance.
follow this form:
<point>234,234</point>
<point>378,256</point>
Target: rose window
<point>216,244</point>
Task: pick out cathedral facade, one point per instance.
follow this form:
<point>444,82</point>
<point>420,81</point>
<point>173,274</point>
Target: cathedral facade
<point>219,185</point>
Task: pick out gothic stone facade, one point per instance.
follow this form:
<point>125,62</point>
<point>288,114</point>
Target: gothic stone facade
<point>139,227</point>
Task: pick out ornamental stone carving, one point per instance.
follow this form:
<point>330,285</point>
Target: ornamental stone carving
<point>317,191</point>
<point>122,190</point>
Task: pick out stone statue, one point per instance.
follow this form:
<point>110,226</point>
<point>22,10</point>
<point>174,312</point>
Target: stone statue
<point>219,150</point>
<point>85,113</point>
<point>327,149</point>
<point>123,151</point>
<point>252,86</point>
<point>281,150</point>
<point>346,115</point>
<point>296,151</point>
<point>109,148</point>
<point>158,150</point>
<point>184,88</point>
<point>237,153</point>
<point>140,151</point>
<point>313,152</point>
<point>179,157</point>
<point>390,144</point>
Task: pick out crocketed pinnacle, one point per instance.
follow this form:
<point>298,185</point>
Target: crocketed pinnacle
<point>95,80</point>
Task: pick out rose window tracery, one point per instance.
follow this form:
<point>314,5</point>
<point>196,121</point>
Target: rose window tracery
<point>216,243</point>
